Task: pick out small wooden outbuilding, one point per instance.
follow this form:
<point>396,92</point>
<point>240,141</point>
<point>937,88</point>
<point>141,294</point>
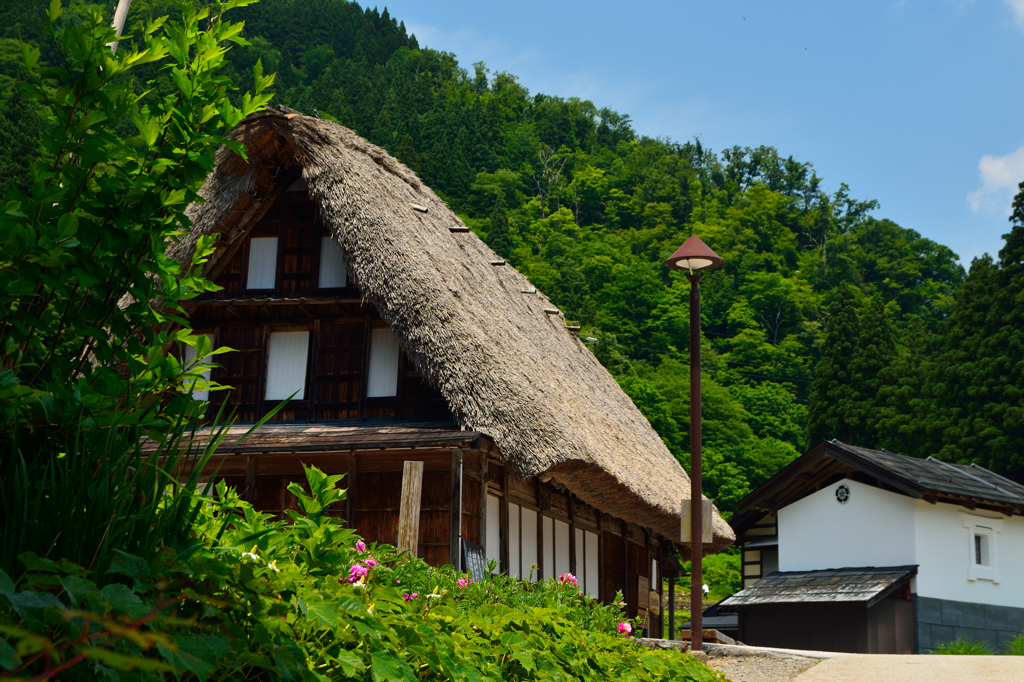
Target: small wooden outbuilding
<point>867,551</point>
<point>347,284</point>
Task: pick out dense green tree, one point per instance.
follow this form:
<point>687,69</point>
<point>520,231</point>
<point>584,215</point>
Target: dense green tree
<point>979,385</point>
<point>833,404</point>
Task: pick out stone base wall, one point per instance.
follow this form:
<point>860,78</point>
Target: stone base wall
<point>943,620</point>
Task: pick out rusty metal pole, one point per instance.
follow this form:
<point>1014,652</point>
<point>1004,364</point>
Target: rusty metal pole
<point>696,522</point>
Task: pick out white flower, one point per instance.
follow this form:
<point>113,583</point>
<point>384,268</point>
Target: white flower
<point>273,566</point>
<point>251,555</point>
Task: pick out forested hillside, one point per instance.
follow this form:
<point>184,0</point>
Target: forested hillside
<point>826,320</point>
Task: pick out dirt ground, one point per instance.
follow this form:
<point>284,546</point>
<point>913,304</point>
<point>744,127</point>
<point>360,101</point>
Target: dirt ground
<point>763,668</point>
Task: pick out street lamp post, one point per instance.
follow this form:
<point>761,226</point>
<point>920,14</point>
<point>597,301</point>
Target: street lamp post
<point>694,256</point>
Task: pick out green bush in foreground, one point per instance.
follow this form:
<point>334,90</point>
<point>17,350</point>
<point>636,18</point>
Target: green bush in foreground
<point>306,600</point>
<point>963,647</point>
<point>1017,646</point>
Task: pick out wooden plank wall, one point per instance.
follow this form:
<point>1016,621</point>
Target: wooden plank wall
<point>625,551</point>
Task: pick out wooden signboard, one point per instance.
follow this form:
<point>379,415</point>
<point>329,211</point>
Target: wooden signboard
<point>706,511</point>
<point>473,560</point>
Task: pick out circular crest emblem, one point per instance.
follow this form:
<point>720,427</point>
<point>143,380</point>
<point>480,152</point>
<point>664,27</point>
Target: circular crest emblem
<point>843,493</point>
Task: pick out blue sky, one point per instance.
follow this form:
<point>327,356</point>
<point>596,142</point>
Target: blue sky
<point>913,103</point>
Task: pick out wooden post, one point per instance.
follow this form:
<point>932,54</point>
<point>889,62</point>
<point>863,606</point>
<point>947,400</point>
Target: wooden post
<point>456,507</point>
<point>672,606</point>
<point>409,512</point>
<point>250,480</point>
<point>350,491</point>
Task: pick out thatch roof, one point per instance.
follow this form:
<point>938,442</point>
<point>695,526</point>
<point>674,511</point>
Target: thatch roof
<point>479,332</point>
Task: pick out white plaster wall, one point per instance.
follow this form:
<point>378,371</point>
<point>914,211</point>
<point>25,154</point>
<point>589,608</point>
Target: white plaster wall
<point>944,554</point>
<point>873,528</point>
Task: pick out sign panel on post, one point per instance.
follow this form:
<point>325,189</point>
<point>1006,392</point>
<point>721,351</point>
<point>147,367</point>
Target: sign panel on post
<point>706,510</point>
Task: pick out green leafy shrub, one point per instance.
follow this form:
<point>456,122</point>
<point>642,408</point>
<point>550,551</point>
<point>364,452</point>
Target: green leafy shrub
<point>255,598</point>
<point>88,299</point>
<point>963,647</point>
<point>1017,646</point>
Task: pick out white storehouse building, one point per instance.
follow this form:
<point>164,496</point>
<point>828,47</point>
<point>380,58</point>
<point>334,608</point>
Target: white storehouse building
<point>850,549</point>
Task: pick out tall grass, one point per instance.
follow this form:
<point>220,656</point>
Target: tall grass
<point>79,494</point>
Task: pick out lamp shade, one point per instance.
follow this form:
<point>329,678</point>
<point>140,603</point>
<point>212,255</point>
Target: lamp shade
<point>693,255</point>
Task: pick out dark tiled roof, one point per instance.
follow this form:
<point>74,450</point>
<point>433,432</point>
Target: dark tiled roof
<point>832,585</point>
<point>931,475</point>
<point>929,479</point>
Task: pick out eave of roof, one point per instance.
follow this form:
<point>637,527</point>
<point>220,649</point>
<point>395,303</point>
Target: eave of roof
<point>930,480</point>
<point>868,585</point>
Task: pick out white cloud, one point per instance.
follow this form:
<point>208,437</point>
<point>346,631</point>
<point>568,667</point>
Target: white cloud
<point>1000,176</point>
<point>1018,10</point>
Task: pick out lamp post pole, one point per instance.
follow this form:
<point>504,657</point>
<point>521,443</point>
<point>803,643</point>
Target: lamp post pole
<point>694,256</point>
<point>696,521</point>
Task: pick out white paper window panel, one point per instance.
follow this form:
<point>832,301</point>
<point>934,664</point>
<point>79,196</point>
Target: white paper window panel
<point>591,564</point>
<point>493,546</point>
<point>561,548</point>
<point>549,546</point>
<point>262,263</point>
<point>384,350</point>
<point>333,274</point>
<point>286,365</point>
<point>190,357</point>
<point>529,526</point>
<point>581,570</point>
<point>654,574</point>
<point>513,540</point>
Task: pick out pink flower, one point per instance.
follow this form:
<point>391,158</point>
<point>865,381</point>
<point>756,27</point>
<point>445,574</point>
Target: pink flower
<point>406,596</point>
<point>415,594</point>
<point>356,573</point>
<point>462,583</point>
<point>371,561</point>
<point>360,546</point>
<point>625,629</point>
<point>567,578</point>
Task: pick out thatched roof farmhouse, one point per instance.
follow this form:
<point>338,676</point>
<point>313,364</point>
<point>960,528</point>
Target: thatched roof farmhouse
<point>506,374</point>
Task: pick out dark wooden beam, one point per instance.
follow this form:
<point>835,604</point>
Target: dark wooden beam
<point>456,508</point>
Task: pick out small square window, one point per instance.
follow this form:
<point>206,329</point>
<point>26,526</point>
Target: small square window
<point>333,274</point>
<point>981,555</point>
<point>384,352</point>
<point>983,547</point>
<point>286,365</point>
<point>262,263</point>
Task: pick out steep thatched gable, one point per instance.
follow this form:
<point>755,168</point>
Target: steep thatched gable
<point>474,327</point>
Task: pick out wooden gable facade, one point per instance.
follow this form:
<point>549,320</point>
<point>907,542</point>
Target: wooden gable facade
<point>362,409</point>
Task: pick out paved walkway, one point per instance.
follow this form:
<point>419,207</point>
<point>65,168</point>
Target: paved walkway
<point>892,668</point>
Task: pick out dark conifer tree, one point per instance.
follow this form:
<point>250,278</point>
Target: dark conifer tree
<point>979,388</point>
<point>832,400</point>
<point>904,409</point>
<point>498,236</point>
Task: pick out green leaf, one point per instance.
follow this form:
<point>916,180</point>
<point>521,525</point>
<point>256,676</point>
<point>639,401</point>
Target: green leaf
<point>77,588</point>
<point>123,599</point>
<point>67,226</point>
<point>184,662</point>
<point>55,10</point>
<point>351,664</point>
<point>128,565</point>
<point>387,667</point>
<point>9,658</point>
<point>149,128</point>
<point>6,584</point>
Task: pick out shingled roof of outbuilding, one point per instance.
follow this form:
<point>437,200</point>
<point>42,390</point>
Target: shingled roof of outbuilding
<point>869,585</point>
<point>496,349</point>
